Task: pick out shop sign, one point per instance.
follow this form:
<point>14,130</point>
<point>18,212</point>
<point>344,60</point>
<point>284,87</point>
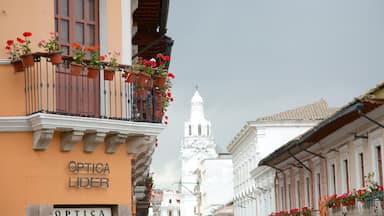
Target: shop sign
<point>88,175</point>
<point>82,212</point>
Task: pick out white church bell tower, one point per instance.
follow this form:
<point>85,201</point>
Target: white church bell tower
<point>198,144</point>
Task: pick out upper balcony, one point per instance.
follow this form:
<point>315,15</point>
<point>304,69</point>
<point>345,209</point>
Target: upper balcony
<point>47,96</point>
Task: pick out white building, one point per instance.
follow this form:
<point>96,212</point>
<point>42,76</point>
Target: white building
<point>215,183</point>
<point>165,203</point>
<point>256,140</point>
<point>198,144</point>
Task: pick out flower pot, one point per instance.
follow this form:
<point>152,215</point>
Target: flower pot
<point>76,69</point>
<point>56,57</point>
<point>93,72</point>
<point>130,77</point>
<point>160,81</point>
<point>18,66</point>
<point>108,74</point>
<point>28,60</point>
<point>142,79</point>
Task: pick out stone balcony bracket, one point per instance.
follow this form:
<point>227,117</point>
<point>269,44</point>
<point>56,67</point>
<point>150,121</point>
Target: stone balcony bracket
<point>70,138</point>
<point>92,140</point>
<point>41,138</point>
<point>113,141</point>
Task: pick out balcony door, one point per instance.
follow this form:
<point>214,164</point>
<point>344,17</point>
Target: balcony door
<point>77,21</point>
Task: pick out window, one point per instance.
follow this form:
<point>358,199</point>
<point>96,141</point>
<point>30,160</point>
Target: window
<point>333,175</point>
<point>379,165</point>
<point>308,195</point>
<point>199,130</point>
<point>289,196</point>
<point>281,198</point>
<point>346,174</point>
<point>207,130</point>
<point>190,130</point>
<point>169,213</point>
<point>298,193</point>
<point>361,160</point>
<point>318,186</point>
<point>77,21</point>
<point>170,201</point>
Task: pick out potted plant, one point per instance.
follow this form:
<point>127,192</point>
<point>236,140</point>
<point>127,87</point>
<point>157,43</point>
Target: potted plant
<point>94,63</point>
<point>306,211</point>
<point>13,50</point>
<point>332,201</point>
<point>160,72</point>
<point>53,48</point>
<point>347,199</point>
<point>111,65</point>
<point>145,69</point>
<point>78,54</point>
<point>26,56</point>
<point>294,212</point>
<point>129,75</point>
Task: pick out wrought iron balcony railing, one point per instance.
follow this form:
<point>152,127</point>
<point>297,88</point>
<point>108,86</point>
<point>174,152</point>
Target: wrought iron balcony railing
<point>51,88</point>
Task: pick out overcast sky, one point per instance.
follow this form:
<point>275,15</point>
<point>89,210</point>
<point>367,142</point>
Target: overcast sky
<point>252,58</point>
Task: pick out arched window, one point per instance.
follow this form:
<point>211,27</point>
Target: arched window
<point>190,130</point>
<point>199,130</point>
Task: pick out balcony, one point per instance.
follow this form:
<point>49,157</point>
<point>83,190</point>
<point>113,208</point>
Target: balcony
<point>45,98</point>
<point>360,208</point>
<point>52,89</point>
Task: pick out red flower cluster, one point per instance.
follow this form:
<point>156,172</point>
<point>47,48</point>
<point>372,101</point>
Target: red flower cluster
<point>171,75</point>
<point>27,34</point>
<point>76,45</point>
<point>9,42</point>
<point>20,40</point>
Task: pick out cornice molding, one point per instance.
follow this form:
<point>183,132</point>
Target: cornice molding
<point>40,121</point>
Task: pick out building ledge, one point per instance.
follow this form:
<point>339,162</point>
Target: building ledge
<point>40,121</point>
<point>92,131</point>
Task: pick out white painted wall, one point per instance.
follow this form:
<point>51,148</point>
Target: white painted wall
<point>216,186</point>
<point>257,140</point>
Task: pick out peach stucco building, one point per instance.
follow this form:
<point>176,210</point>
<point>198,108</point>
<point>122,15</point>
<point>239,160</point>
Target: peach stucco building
<point>73,145</point>
<point>333,157</point>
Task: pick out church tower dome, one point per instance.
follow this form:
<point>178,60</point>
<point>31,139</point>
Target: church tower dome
<point>197,125</point>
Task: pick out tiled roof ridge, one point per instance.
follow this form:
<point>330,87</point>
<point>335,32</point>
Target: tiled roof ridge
<point>315,111</point>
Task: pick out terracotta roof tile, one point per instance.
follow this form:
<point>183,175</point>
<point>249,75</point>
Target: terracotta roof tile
<point>315,111</point>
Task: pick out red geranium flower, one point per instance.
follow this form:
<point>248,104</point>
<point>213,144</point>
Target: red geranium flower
<point>75,44</point>
<point>8,47</point>
<point>9,42</point>
<point>171,75</point>
<point>171,99</point>
<point>102,58</point>
<point>27,34</point>
<point>166,117</point>
<point>169,94</point>
<point>166,122</point>
<point>20,40</point>
<point>166,58</point>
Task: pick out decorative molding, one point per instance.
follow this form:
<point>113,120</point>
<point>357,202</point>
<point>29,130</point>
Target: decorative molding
<point>69,138</point>
<point>113,141</point>
<point>5,61</point>
<point>139,192</point>
<point>41,139</point>
<point>92,140</point>
<point>62,122</point>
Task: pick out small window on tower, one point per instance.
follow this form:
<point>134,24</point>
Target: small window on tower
<point>190,130</point>
<point>199,130</point>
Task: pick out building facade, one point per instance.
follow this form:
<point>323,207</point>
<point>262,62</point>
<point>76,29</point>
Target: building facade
<point>198,144</point>
<point>165,203</point>
<point>215,183</point>
<point>333,158</point>
<point>78,146</point>
<point>256,140</point>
